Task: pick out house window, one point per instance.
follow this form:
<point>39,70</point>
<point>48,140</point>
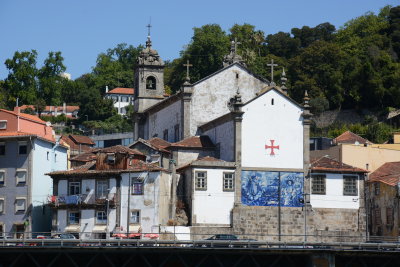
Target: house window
<point>272,101</point>
<point>2,177</point>
<point>2,148</point>
<point>318,185</point>
<point>102,189</point>
<point>20,177</point>
<point>137,188</point>
<point>2,205</point>
<point>3,125</point>
<point>151,83</point>
<point>135,216</point>
<point>48,153</point>
<point>20,204</point>
<point>389,216</point>
<point>378,219</point>
<point>101,217</point>
<point>176,131</point>
<point>229,181</point>
<point>74,188</point>
<point>350,185</point>
<point>165,134</point>
<point>201,181</point>
<point>74,217</point>
<point>377,188</point>
<point>22,148</point>
<point>111,158</point>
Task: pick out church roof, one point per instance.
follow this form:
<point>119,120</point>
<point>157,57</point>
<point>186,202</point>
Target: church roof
<point>277,89</point>
<point>208,162</point>
<point>202,141</point>
<point>388,173</point>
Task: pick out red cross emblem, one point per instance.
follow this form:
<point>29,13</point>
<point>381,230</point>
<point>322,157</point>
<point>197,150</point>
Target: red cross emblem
<point>272,147</point>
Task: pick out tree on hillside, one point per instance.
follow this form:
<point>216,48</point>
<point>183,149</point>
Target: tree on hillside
<point>50,81</point>
<point>281,44</point>
<point>394,29</point>
<point>21,81</point>
<point>307,35</point>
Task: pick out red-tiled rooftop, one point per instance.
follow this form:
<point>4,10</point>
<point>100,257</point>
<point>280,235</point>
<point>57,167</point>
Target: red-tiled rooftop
<point>122,91</point>
<point>326,164</point>
<point>26,116</point>
<point>14,133</point>
<point>81,139</point>
<point>350,138</point>
<point>120,149</point>
<point>87,156</point>
<point>158,142</point>
<point>195,142</point>
<point>52,108</point>
<point>388,173</point>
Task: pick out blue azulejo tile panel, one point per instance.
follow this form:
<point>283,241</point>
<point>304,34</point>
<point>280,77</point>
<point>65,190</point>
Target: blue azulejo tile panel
<point>261,188</point>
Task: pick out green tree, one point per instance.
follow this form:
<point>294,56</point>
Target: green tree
<point>21,81</point>
<point>281,44</point>
<point>50,81</point>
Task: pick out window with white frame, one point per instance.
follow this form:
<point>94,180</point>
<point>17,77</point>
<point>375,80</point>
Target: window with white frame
<point>318,184</point>
<point>22,148</point>
<point>20,177</point>
<point>20,204</point>
<point>2,177</point>
<point>201,180</point>
<point>350,185</point>
<point>2,203</point>
<point>229,181</point>
<point>2,148</point>
<point>101,188</point>
<point>137,188</point>
<point>135,216</point>
<point>74,188</point>
<point>101,217</point>
<point>3,124</point>
<point>74,217</point>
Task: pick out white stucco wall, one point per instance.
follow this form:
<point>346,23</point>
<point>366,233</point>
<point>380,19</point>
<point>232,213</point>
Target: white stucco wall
<point>334,197</point>
<point>224,135</point>
<point>164,119</point>
<point>210,97</point>
<point>263,122</point>
<point>212,206</point>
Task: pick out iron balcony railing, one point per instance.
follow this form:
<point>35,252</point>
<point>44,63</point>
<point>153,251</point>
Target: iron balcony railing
<point>81,199</point>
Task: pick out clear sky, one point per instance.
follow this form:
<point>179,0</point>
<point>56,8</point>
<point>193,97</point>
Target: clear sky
<point>81,29</point>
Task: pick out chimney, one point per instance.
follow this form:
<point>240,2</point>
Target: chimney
<point>65,108</point>
<point>17,110</point>
<point>106,89</point>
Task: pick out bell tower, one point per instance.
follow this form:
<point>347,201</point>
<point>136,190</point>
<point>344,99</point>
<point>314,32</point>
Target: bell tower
<point>149,78</point>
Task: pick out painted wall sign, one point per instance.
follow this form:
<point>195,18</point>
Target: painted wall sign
<point>272,147</point>
<point>262,188</point>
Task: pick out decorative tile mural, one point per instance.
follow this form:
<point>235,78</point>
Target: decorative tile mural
<point>260,188</point>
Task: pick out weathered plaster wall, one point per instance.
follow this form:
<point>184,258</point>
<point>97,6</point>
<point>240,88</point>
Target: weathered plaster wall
<point>272,117</point>
<point>164,119</point>
<point>223,136</point>
<point>210,97</point>
<point>186,156</point>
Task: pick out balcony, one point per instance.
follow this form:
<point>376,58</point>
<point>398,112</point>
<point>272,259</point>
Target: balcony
<point>81,200</point>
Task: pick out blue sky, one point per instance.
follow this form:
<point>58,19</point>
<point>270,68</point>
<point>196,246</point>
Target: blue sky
<point>81,29</point>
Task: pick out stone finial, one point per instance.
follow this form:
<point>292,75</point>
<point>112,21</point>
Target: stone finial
<point>306,100</point>
<point>187,65</point>
<point>306,105</point>
<point>233,56</point>
<point>272,65</point>
<point>283,82</point>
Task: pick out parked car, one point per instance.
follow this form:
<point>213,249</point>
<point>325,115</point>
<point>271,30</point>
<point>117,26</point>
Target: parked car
<point>232,241</point>
<point>3,239</point>
<point>63,236</point>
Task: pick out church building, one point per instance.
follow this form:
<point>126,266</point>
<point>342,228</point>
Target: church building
<point>253,178</point>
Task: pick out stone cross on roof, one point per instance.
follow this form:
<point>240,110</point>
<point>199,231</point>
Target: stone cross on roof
<point>272,65</point>
<point>149,27</point>
<point>187,65</point>
<point>234,45</point>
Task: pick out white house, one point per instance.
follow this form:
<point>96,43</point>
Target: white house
<point>122,97</point>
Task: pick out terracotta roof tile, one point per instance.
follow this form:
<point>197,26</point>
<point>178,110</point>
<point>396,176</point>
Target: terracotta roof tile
<point>350,138</point>
<point>60,109</point>
<point>195,142</point>
<point>158,142</point>
<point>156,145</point>
<point>122,91</point>
<point>12,134</point>
<point>26,116</point>
<point>388,173</point>
<point>120,149</point>
<point>87,156</point>
<point>81,139</point>
<point>326,164</point>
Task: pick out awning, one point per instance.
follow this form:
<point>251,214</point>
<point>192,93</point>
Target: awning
<point>99,229</point>
<point>72,228</point>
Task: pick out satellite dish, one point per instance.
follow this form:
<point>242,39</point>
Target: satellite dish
<point>48,123</point>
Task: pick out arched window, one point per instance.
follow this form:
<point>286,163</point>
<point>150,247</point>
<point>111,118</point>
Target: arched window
<point>151,83</point>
